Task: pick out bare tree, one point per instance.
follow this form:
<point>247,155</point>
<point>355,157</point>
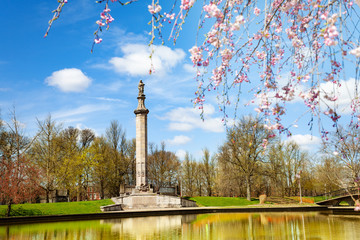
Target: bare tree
<point>329,173</point>
<point>87,137</point>
<point>188,171</point>
<point>283,164</point>
<point>70,167</point>
<point>229,180</point>
<point>294,161</point>
<point>343,145</point>
<point>209,171</point>
<point>245,142</point>
<point>163,167</point>
<point>274,169</point>
<point>118,148</point>
<point>18,176</point>
<point>130,177</point>
<point>100,152</point>
<point>45,152</point>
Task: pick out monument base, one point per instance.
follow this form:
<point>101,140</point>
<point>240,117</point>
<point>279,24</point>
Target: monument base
<point>147,201</point>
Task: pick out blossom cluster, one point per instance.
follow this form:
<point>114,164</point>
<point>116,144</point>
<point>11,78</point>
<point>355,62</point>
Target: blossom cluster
<point>154,8</point>
<point>294,46</point>
<point>282,51</point>
<point>105,20</point>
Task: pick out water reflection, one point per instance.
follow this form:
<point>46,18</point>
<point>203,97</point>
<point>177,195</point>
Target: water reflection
<point>163,227</point>
<point>203,226</point>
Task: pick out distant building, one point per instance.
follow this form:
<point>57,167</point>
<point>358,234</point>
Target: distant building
<point>93,193</point>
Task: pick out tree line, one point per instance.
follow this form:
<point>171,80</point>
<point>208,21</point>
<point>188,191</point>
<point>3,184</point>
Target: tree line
<point>72,159</point>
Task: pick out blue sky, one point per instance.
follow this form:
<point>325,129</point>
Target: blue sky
<point>58,75</point>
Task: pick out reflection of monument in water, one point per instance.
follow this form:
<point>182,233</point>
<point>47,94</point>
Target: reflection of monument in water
<point>148,227</point>
<point>143,196</point>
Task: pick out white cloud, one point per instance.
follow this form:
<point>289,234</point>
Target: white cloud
<point>345,91</point>
<point>178,140</point>
<point>111,100</point>
<point>306,142</point>
<point>69,80</point>
<point>13,122</point>
<point>186,119</point>
<point>306,54</point>
<point>136,60</point>
<point>180,153</point>
<point>345,94</point>
<point>72,120</point>
<point>181,126</point>
<point>85,109</point>
<point>189,68</point>
<point>281,81</point>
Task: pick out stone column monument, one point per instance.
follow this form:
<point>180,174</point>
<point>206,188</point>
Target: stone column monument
<point>142,196</point>
<point>141,140</point>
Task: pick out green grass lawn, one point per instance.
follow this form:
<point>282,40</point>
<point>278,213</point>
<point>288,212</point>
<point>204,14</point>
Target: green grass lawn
<point>223,201</point>
<point>319,198</point>
<point>55,208</point>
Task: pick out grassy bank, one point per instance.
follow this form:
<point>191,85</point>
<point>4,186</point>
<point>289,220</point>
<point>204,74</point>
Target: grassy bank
<point>312,199</point>
<point>61,208</point>
<point>94,206</point>
<point>223,201</point>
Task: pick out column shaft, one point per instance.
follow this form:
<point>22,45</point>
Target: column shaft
<point>141,149</point>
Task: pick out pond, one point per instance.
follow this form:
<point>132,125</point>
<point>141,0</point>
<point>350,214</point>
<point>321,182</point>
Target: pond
<point>202,226</point>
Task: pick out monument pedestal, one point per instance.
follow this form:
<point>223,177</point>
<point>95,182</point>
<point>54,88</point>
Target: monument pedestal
<point>147,201</point>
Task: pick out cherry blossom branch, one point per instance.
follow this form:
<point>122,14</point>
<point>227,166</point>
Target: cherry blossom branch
<point>56,15</point>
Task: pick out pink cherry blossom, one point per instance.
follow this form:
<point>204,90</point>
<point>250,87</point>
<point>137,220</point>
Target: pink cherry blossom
<point>170,16</point>
<point>97,40</point>
<point>186,4</point>
<point>257,11</point>
<point>239,20</point>
<point>284,53</point>
<point>213,10</point>
<point>226,55</point>
<point>154,8</point>
<point>196,55</point>
<point>100,23</point>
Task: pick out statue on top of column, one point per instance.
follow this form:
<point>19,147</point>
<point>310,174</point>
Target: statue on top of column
<point>141,88</point>
<point>141,99</point>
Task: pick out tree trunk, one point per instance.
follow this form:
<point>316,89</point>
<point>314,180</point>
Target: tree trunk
<point>47,195</point>
<point>248,188</point>
<point>8,209</point>
<point>209,191</point>
<point>78,194</point>
<point>101,190</point>
<point>78,189</point>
